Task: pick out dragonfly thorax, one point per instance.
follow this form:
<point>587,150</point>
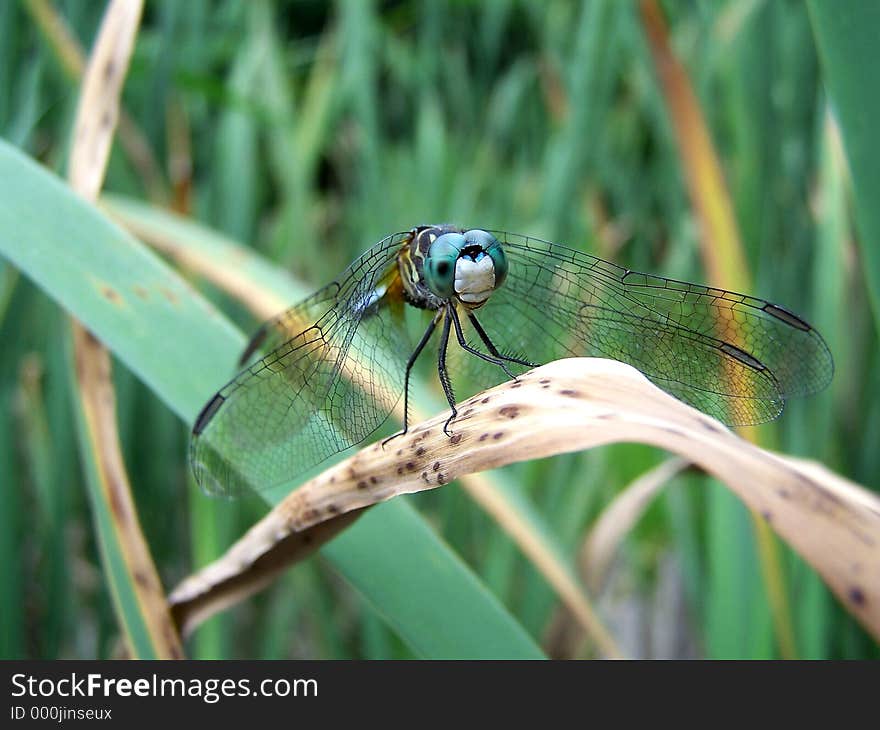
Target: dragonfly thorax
<point>443,262</point>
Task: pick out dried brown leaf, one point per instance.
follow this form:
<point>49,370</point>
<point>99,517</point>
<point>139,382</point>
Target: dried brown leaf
<point>620,516</point>
<point>576,404</point>
<point>95,123</point>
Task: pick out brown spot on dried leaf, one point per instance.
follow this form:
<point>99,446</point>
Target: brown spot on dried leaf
<point>117,500</point>
<point>111,295</point>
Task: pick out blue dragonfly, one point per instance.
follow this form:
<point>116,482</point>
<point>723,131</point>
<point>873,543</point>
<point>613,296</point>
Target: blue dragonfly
<point>336,364</point>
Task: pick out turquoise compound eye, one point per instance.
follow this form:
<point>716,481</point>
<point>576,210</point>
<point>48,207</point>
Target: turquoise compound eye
<point>491,246</point>
<point>440,263</point>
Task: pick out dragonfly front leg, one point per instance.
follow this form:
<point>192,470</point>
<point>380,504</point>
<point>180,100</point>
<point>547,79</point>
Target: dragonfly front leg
<point>409,366</point>
<point>441,366</point>
<point>491,346</point>
<point>495,359</point>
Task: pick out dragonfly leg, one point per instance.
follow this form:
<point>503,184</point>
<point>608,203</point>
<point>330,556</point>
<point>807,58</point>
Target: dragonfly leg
<point>441,366</point>
<point>491,346</point>
<point>409,366</point>
<point>495,359</point>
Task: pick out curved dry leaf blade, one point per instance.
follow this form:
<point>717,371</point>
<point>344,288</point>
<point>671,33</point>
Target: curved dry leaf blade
<point>238,576</point>
<point>70,54</point>
<point>98,107</point>
<point>576,404</point>
<point>619,517</point>
<point>132,577</point>
<point>134,582</point>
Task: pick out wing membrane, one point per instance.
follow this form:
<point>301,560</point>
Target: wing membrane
<point>335,363</point>
<point>332,375</point>
<point>733,356</point>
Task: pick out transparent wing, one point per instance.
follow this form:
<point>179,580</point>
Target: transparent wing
<point>333,373</point>
<point>730,355</point>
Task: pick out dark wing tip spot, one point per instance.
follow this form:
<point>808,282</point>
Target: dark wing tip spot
<point>252,346</point>
<point>742,356</point>
<point>787,316</point>
<point>207,413</point>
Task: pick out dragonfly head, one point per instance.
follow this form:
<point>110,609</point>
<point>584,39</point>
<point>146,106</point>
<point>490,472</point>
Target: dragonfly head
<point>469,266</point>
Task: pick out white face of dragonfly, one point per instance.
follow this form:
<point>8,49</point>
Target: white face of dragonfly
<point>474,280</point>
<point>467,266</point>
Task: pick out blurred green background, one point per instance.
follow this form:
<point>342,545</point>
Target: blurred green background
<point>308,131</point>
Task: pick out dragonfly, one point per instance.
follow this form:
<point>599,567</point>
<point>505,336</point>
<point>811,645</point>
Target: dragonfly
<point>325,374</point>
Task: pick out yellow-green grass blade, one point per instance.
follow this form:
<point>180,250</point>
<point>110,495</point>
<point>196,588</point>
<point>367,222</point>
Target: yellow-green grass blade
<point>846,34</point>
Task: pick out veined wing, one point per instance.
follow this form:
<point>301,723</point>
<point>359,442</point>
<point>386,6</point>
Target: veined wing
<point>331,377</point>
<point>732,356</point>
